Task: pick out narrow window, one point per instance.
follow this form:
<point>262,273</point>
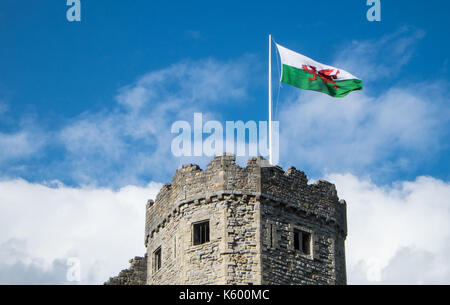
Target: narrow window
<point>297,240</point>
<point>302,242</point>
<point>157,259</point>
<point>306,243</point>
<point>271,235</point>
<point>201,232</point>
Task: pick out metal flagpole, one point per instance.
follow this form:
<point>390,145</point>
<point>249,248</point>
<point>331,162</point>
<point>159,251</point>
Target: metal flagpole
<point>270,99</point>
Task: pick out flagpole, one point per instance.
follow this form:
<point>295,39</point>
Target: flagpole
<point>270,99</point>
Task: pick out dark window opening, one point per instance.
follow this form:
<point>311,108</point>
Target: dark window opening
<point>306,243</point>
<point>201,233</point>
<point>157,257</point>
<point>297,240</point>
<point>302,242</point>
<point>271,235</point>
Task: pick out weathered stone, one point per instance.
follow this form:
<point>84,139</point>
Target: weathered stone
<point>253,213</point>
<point>135,275</point>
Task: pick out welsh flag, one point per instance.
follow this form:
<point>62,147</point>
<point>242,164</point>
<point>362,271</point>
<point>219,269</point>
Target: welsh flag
<point>304,73</point>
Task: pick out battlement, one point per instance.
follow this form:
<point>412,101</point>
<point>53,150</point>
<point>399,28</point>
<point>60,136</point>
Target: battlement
<point>136,274</point>
<point>223,176</point>
<point>228,224</point>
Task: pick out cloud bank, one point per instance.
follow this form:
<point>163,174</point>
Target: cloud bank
<point>41,226</point>
<point>398,234</point>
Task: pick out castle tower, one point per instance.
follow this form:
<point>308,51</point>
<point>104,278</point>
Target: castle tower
<point>253,225</point>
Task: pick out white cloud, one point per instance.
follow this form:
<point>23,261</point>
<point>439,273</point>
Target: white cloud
<point>388,127</point>
<point>18,145</point>
<point>398,234</point>
<point>135,135</point>
<point>400,125</point>
<point>187,83</point>
<point>42,226</point>
<point>370,60</point>
<point>25,139</point>
<point>19,267</point>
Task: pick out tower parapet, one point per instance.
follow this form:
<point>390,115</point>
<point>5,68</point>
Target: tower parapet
<point>245,225</point>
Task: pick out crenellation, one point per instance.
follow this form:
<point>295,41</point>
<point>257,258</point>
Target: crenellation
<point>255,217</point>
<point>136,274</point>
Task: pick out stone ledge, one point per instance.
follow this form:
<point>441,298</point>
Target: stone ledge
<point>246,196</point>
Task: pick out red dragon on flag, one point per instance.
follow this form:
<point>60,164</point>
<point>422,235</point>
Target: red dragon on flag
<point>324,74</point>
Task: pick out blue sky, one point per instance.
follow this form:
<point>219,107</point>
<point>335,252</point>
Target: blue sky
<point>91,102</point>
<point>54,71</point>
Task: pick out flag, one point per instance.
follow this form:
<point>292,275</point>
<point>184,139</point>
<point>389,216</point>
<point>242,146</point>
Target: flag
<point>304,73</point>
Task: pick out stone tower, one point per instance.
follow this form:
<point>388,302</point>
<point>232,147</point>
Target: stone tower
<point>232,225</point>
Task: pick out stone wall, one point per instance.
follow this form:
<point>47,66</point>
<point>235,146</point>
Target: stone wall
<point>290,203</point>
<point>191,183</point>
<point>135,275</point>
<point>231,256</point>
<point>252,212</point>
<point>282,264</point>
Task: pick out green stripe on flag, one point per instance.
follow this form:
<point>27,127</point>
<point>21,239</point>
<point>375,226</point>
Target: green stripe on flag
<point>301,79</point>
